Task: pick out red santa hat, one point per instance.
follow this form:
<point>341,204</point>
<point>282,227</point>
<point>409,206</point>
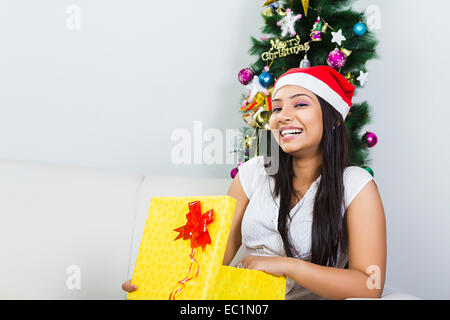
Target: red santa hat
<point>323,81</point>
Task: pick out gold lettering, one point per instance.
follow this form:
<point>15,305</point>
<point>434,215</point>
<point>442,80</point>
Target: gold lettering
<point>307,46</point>
<point>275,55</point>
<point>274,45</point>
<point>281,49</point>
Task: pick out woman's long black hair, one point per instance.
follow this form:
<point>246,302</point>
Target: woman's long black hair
<point>328,225</point>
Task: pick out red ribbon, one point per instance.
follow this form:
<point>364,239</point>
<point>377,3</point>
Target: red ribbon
<point>180,285</point>
<point>249,106</point>
<point>195,228</point>
<point>269,103</point>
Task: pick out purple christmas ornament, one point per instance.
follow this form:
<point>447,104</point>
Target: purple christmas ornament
<point>234,172</point>
<point>316,36</point>
<point>245,76</point>
<point>336,59</point>
<point>370,139</point>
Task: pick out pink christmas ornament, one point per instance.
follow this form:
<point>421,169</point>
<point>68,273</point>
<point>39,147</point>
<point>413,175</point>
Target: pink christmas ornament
<point>336,59</point>
<point>370,139</point>
<point>245,76</point>
<point>234,172</point>
<point>316,32</point>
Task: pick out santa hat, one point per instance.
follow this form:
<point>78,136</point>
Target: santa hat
<point>325,82</point>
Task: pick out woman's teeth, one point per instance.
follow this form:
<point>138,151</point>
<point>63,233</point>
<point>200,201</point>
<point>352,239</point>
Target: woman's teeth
<point>288,133</point>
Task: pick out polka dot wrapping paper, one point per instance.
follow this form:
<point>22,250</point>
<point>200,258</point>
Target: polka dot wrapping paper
<point>242,284</point>
<point>162,262</point>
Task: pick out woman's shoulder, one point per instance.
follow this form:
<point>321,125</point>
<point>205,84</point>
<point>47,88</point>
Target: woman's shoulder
<point>259,160</point>
<point>355,172</point>
<point>355,178</point>
<point>250,174</point>
<point>254,166</point>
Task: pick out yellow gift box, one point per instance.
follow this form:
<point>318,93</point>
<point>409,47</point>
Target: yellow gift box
<point>162,262</point>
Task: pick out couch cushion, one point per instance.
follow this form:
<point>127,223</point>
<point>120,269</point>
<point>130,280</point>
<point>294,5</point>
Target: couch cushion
<point>57,216</point>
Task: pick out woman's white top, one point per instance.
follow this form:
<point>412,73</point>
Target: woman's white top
<point>259,227</point>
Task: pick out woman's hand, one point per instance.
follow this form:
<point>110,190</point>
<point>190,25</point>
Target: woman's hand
<point>128,287</point>
<point>277,266</point>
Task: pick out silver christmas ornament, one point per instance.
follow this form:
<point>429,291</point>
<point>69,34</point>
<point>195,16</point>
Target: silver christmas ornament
<point>305,63</point>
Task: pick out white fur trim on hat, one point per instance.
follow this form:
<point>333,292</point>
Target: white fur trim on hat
<point>316,86</point>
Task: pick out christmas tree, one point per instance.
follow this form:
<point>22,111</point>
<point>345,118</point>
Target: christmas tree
<point>304,33</point>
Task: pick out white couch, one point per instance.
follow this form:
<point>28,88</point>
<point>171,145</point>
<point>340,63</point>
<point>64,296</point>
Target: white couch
<point>61,221</point>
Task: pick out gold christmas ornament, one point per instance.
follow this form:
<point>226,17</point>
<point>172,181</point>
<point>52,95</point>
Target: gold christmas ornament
<point>260,99</point>
<point>248,141</point>
<point>268,12</point>
<point>269,2</point>
<point>305,4</point>
<point>262,118</point>
<point>281,11</point>
<point>346,51</point>
<point>350,78</point>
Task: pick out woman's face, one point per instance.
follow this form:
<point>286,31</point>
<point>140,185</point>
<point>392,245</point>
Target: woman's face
<point>297,109</point>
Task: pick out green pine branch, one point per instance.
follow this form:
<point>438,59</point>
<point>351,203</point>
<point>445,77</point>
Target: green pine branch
<point>338,14</point>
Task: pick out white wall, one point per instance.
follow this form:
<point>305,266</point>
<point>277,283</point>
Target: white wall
<point>111,94</point>
<point>408,94</point>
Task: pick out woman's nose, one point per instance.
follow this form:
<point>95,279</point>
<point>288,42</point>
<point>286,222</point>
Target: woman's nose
<point>284,116</point>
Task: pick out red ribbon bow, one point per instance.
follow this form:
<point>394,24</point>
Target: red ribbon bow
<point>195,228</point>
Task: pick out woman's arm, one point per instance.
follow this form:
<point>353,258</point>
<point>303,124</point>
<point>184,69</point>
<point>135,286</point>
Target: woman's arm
<point>367,255</point>
<point>235,239</point>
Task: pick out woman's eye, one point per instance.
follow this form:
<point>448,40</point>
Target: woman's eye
<point>297,105</point>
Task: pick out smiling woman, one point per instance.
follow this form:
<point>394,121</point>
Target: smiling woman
<point>317,212</point>
<point>289,132</point>
<point>296,102</point>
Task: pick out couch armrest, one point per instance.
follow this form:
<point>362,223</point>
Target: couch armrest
<point>390,294</point>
